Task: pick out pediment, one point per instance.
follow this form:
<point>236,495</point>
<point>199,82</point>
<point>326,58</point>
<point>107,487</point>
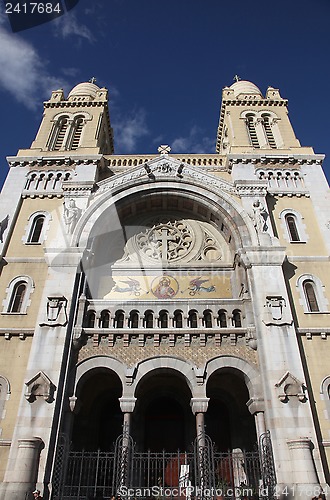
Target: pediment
<point>164,167</point>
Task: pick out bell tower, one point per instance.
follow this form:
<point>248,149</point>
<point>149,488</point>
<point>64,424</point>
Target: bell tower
<point>249,121</point>
<point>79,123</point>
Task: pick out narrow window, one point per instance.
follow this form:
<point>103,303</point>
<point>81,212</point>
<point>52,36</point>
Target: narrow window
<point>222,319</point>
<point>163,319</point>
<point>207,319</point>
<point>37,225</point>
<point>61,130</point>
<point>310,295</point>
<point>292,228</point>
<point>91,319</point>
<point>105,319</point>
<point>17,298</point>
<point>148,319</point>
<point>134,319</point>
<point>268,131</point>
<point>119,319</point>
<point>237,322</point>
<point>252,131</point>
<point>78,126</point>
<point>178,322</point>
<point>192,319</point>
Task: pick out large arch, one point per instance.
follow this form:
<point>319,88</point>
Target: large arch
<point>247,371</point>
<point>239,222</point>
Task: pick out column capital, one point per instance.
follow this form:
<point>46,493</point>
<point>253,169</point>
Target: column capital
<point>256,405</point>
<point>199,405</point>
<point>127,405</point>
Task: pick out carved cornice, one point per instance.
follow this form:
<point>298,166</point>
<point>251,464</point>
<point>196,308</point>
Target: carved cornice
<point>56,161</point>
<point>75,104</point>
<point>164,167</point>
<point>251,188</point>
<point>276,160</point>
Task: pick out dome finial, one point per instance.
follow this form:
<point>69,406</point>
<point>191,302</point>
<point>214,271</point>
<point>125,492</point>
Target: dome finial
<point>92,80</point>
<point>237,78</point>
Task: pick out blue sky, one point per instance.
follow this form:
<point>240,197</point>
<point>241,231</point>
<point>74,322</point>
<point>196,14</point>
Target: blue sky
<point>165,64</point>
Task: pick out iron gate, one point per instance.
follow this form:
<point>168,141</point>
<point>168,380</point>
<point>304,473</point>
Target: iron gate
<point>201,473</point>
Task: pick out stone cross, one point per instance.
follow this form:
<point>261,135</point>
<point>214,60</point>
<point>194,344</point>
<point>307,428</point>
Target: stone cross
<point>237,78</point>
<point>164,149</point>
<point>92,80</point>
<point>165,238</point>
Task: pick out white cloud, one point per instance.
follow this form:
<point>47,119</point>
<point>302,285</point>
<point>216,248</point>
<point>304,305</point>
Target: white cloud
<point>128,130</point>
<point>68,25</point>
<point>23,73</point>
<point>195,142</point>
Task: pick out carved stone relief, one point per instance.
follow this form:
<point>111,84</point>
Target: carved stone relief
<point>289,386</point>
<point>40,386</point>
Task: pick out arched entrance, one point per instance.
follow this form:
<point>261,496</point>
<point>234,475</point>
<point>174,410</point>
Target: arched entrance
<point>163,419</point>
<point>99,421</point>
<point>228,421</point>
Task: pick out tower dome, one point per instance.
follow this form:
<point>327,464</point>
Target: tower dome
<point>245,87</point>
<point>85,89</point>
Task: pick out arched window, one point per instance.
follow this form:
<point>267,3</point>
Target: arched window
<point>163,319</point>
<point>61,129</point>
<point>105,319</point>
<point>119,319</point>
<point>17,299</point>
<point>133,321</point>
<point>36,229</point>
<point>207,319</point>
<point>178,319</point>
<point>268,131</point>
<point>222,318</point>
<point>192,319</point>
<point>18,295</point>
<point>292,227</point>
<point>90,321</point>
<point>237,321</point>
<point>148,319</point>
<point>250,123</point>
<point>310,295</point>
<point>77,130</point>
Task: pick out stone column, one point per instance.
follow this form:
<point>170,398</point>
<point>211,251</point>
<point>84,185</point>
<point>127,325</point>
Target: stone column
<point>199,407</point>
<point>256,407</point>
<point>26,468</point>
<point>305,476</point>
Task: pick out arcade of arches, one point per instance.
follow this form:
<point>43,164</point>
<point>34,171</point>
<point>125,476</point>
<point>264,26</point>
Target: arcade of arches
<point>162,418</point>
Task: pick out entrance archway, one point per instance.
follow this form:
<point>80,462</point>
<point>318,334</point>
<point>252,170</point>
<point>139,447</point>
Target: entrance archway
<point>100,420</point>
<point>163,419</point>
<point>228,420</point>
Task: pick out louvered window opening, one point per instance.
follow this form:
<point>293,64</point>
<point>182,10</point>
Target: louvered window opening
<point>252,132</point>
<point>269,132</point>
<point>61,134</point>
<point>77,133</point>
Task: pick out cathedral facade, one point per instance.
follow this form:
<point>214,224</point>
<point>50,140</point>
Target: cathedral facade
<point>157,300</point>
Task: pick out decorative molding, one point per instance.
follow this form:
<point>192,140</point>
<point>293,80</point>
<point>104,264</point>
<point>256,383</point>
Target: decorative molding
<point>276,313</point>
<point>56,311</point>
<point>40,386</point>
<point>289,386</point>
<point>251,188</point>
<point>164,167</point>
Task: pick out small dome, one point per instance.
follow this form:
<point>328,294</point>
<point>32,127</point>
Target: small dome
<point>84,89</point>
<point>245,87</point>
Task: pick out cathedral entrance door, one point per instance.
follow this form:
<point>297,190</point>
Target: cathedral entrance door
<point>163,419</point>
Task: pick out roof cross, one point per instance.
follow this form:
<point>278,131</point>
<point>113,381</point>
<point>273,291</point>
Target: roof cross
<point>237,78</point>
<point>92,80</point>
